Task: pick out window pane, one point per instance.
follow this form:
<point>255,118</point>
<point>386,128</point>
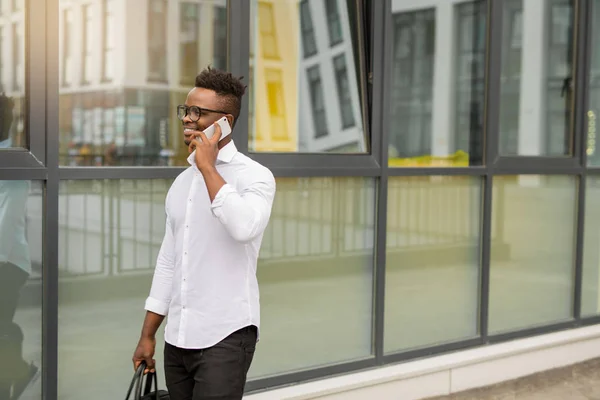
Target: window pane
<point>118,92</point>
<point>590,291</point>
<point>21,223</point>
<point>593,155</point>
<point>536,89</point>
<point>438,122</point>
<point>433,252</point>
<point>533,226</point>
<point>12,80</point>
<point>316,259</point>
<point>294,62</point>
<point>110,234</point>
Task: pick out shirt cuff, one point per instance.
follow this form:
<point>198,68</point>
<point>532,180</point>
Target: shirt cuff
<point>217,203</point>
<point>156,306</point>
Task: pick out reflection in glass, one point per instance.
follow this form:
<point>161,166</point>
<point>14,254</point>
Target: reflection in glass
<point>121,82</point>
<point>12,79</point>
<point>531,270</point>
<point>590,290</point>
<point>109,236</point>
<point>316,259</point>
<point>536,95</point>
<point>593,153</point>
<point>433,252</point>
<point>305,90</point>
<point>437,111</point>
<point>21,221</point>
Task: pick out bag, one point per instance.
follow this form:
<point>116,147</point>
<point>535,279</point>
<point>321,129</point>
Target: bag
<point>148,394</point>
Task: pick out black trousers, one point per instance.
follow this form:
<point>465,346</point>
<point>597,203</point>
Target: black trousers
<point>12,365</point>
<point>218,372</point>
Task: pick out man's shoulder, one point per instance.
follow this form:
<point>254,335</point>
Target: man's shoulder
<point>253,168</point>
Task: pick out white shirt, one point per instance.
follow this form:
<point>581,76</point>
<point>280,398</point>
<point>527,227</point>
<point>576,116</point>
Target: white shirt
<point>205,277</point>
<point>13,239</point>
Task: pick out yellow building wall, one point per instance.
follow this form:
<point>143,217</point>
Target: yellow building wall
<point>274,65</point>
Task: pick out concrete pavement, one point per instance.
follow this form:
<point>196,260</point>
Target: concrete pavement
<point>578,382</point>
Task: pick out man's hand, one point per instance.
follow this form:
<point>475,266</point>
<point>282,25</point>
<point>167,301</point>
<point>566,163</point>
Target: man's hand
<point>206,149</point>
<point>145,352</point>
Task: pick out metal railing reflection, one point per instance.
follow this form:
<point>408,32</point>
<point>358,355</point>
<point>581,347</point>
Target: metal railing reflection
<point>115,227</point>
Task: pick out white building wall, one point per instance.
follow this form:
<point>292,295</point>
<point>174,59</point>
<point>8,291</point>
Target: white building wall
<point>337,136</point>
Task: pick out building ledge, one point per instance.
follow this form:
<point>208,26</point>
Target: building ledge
<point>452,373</point>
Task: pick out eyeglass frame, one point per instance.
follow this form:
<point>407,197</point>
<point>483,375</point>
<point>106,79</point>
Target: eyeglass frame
<point>200,109</point>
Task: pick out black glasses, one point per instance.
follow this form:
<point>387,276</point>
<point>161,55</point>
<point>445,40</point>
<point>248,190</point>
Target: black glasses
<point>194,112</point>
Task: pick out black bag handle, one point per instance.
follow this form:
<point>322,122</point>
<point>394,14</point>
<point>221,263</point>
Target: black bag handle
<point>137,382</point>
<point>136,378</point>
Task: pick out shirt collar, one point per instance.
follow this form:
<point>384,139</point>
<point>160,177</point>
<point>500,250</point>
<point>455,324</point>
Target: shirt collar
<point>225,155</point>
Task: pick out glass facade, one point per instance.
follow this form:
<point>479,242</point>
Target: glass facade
<point>436,164</point>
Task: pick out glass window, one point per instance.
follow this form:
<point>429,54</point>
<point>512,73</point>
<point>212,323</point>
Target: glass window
<point>343,90</point>
<point>220,37</point>
<point>536,90</point>
<point>12,81</point>
<point>67,48</point>
<point>157,41</point>
<point>107,258</point>
<point>109,40</point>
<point>590,290</point>
<point>126,116</point>
<point>268,33</point>
<point>433,253</point>
<point>21,256</point>
<point>89,35</point>
<point>188,42</point>
<point>333,22</point>
<point>317,111</point>
<point>532,254</point>
<point>317,101</point>
<point>309,44</point>
<point>321,266</point>
<point>593,155</point>
<point>438,122</point>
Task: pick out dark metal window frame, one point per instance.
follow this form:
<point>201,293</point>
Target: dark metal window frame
<point>41,162</point>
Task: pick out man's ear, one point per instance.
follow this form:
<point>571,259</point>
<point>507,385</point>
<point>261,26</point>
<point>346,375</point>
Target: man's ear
<point>230,120</point>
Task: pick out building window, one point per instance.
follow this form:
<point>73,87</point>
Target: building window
<point>220,38</point>
<point>67,53</point>
<point>343,90</point>
<point>470,79</point>
<point>334,24</point>
<point>157,41</point>
<point>108,57</point>
<point>88,44</point>
<point>17,56</point>
<point>276,104</point>
<point>1,59</point>
<point>188,42</point>
<point>317,101</point>
<point>412,83</point>
<point>267,31</point>
<point>309,44</point>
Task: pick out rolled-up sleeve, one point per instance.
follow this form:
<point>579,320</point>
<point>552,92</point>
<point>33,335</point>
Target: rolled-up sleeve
<point>160,294</point>
<point>245,214</point>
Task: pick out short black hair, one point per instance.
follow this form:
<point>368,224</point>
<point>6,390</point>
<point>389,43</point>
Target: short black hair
<point>230,88</point>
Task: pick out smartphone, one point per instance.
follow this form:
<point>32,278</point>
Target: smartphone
<point>225,129</point>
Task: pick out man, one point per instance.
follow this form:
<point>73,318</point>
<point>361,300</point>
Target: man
<point>15,266</point>
<point>205,277</point>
